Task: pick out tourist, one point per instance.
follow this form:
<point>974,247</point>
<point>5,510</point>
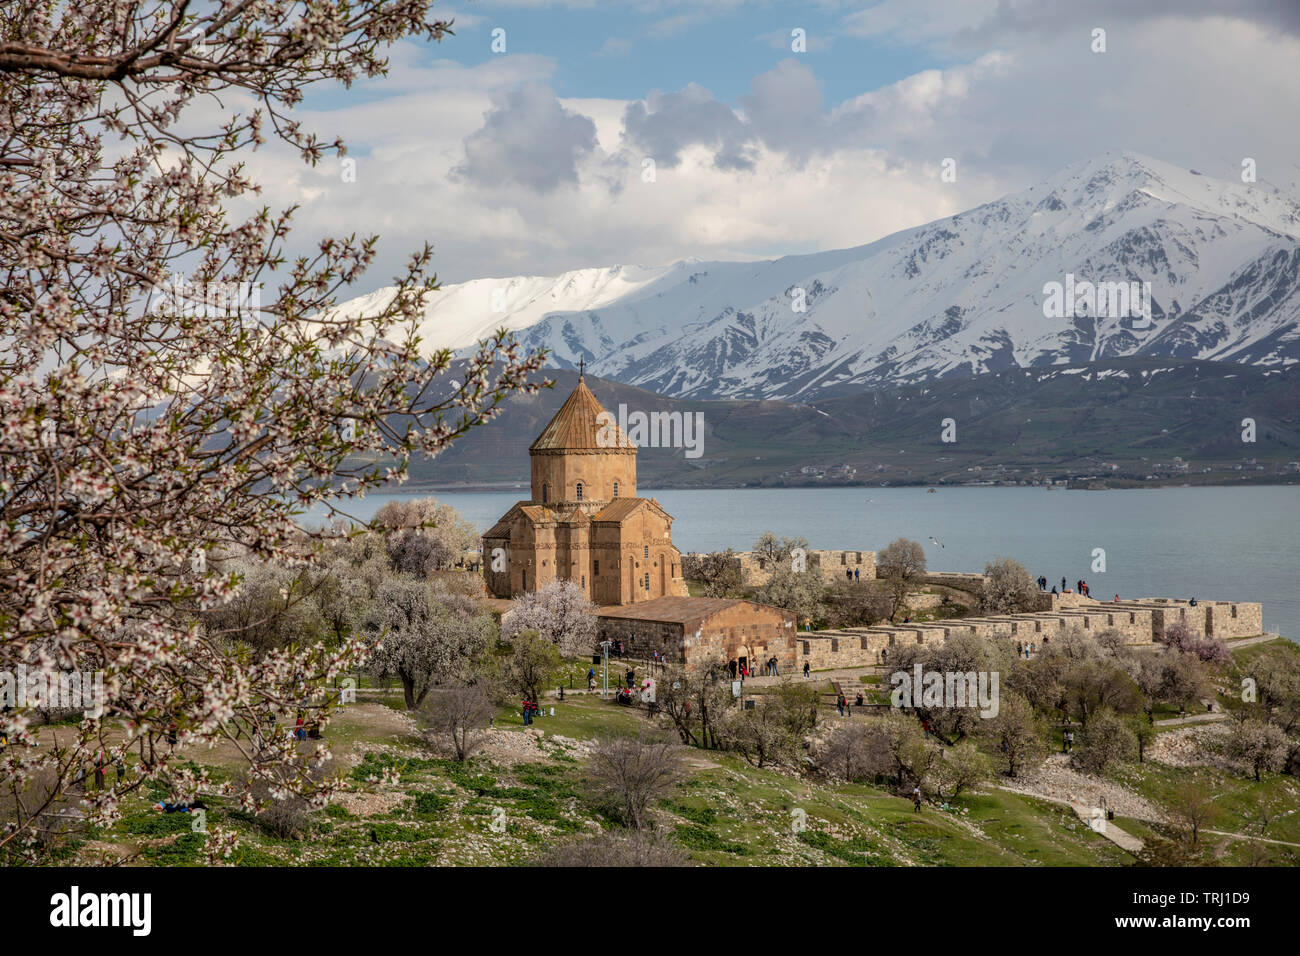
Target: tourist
<point>860,701</point>
<point>839,704</point>
<point>916,799</point>
<point>528,713</point>
<point>856,574</point>
<point>631,676</point>
<point>805,670</point>
<point>1116,598</point>
<point>1020,648</point>
<point>848,574</point>
<point>1053,588</point>
<point>1062,584</point>
<point>1192,602</point>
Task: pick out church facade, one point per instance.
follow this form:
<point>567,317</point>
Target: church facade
<point>584,522</point>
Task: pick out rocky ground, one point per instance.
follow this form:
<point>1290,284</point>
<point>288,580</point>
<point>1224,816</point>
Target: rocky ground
<point>1056,780</point>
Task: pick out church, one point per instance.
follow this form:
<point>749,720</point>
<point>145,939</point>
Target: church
<point>584,522</point>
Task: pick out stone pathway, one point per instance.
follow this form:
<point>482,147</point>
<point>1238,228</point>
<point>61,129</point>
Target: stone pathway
<point>1121,838</point>
<point>1247,641</point>
<point>1192,719</point>
<point>1242,836</point>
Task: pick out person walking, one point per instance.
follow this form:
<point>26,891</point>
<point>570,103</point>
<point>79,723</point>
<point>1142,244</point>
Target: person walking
<point>805,670</point>
<point>916,799</point>
<point>857,573</point>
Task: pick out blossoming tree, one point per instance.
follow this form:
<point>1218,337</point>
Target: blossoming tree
<point>173,384</point>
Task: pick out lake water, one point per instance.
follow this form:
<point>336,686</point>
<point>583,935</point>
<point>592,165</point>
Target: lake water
<point>1210,543</point>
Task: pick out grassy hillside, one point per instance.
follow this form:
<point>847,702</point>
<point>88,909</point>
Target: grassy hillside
<point>726,812</point>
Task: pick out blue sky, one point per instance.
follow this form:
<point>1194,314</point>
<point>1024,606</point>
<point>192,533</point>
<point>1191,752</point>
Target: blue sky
<point>534,161</point>
<point>622,51</point>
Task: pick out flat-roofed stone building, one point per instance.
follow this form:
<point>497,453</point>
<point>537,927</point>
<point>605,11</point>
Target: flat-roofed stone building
<point>699,631</point>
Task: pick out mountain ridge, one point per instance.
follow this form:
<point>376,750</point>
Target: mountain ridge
<point>957,297</point>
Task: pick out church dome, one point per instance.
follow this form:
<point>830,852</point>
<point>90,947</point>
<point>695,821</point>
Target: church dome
<point>582,424</point>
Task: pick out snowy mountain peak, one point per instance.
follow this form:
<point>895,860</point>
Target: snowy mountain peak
<point>962,295</point>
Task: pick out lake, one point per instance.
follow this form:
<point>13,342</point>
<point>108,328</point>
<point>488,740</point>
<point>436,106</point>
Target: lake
<point>1237,544</point>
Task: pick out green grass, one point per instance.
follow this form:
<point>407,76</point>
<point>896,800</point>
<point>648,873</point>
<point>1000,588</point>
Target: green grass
<point>724,813</point>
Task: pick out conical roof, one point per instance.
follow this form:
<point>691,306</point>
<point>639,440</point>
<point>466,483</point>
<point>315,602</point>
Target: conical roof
<point>578,426</point>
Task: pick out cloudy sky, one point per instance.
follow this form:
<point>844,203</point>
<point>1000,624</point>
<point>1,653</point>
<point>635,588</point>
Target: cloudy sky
<point>535,160</point>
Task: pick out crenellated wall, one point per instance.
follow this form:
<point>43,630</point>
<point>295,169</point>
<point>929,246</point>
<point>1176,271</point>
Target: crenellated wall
<point>1139,622</point>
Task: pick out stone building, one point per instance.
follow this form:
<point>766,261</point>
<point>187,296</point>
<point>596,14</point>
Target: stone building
<point>584,522</point>
<point>698,631</point>
<point>832,565</point>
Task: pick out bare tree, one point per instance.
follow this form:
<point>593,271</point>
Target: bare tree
<point>632,772</point>
<point>694,700</point>
<point>901,565</point>
<point>460,717</point>
<point>845,752</point>
<point>1193,807</point>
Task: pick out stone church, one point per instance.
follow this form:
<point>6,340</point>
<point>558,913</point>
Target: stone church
<point>584,522</point>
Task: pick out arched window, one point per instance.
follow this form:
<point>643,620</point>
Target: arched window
<point>579,491</point>
<point>616,489</point>
<point>546,493</point>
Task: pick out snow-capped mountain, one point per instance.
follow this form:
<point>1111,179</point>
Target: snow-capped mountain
<point>958,296</point>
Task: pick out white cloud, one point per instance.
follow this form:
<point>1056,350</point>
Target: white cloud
<point>549,185</point>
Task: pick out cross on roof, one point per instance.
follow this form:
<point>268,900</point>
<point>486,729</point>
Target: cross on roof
<point>582,364</point>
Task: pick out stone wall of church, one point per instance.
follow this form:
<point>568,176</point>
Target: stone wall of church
<point>557,475</point>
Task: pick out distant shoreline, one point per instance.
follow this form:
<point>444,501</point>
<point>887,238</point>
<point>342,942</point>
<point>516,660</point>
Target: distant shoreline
<point>411,488</point>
